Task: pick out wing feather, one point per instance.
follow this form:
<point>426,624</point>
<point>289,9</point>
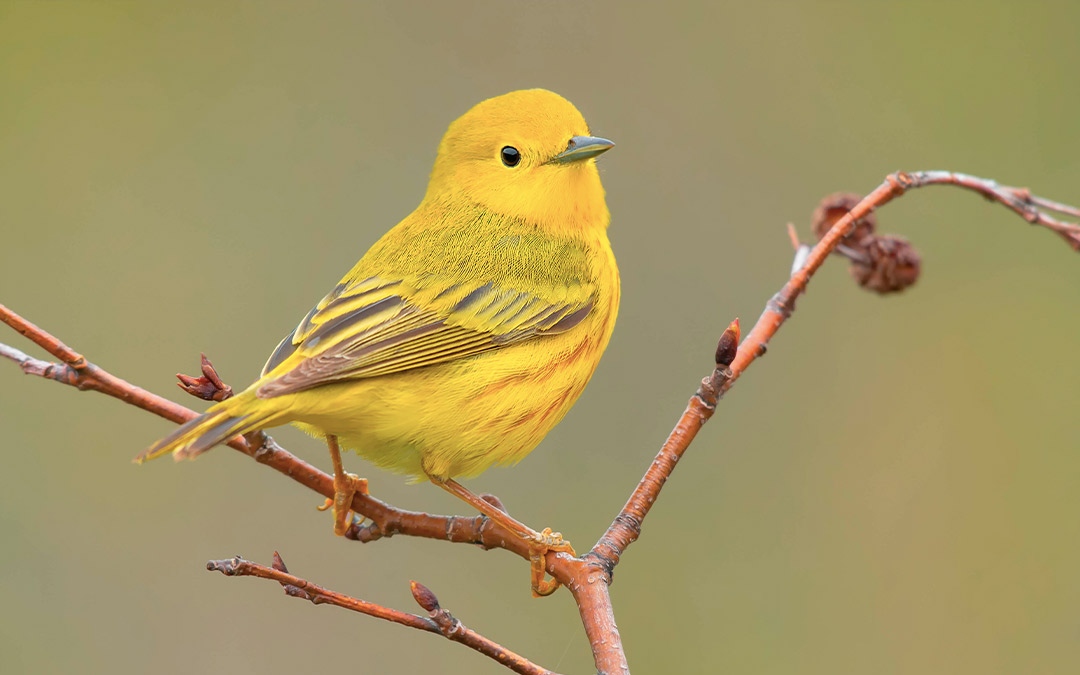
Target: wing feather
<point>377,327</point>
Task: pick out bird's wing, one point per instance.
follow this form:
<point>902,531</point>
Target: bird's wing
<point>378,326</point>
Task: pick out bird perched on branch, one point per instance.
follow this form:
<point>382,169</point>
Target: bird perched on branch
<point>466,332</point>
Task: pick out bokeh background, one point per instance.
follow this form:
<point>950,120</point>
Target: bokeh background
<point>895,488</point>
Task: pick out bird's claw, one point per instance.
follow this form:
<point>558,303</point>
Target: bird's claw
<point>538,549</point>
<point>346,485</point>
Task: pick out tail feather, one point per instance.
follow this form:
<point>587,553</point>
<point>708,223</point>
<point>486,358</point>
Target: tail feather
<point>198,435</point>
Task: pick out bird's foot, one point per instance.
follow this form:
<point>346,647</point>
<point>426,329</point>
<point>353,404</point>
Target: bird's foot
<point>538,549</point>
<point>346,485</point>
<point>540,543</point>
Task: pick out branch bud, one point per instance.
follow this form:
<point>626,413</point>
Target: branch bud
<point>209,387</point>
<point>728,346</point>
<point>424,597</point>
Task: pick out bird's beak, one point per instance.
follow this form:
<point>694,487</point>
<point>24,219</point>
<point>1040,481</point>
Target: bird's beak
<point>582,147</point>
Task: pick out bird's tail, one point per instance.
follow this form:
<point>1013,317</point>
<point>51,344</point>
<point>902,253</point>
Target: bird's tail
<point>219,424</point>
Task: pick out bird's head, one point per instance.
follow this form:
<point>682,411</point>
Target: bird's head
<point>526,154</point>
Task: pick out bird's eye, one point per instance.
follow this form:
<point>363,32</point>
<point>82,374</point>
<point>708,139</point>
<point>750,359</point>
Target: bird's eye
<point>510,156</point>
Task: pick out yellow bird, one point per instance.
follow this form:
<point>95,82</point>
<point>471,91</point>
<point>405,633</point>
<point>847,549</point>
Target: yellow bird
<point>466,332</point>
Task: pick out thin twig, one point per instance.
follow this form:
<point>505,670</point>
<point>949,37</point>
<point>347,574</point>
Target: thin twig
<point>440,622</point>
<point>626,527</point>
<point>76,371</point>
<point>1026,205</point>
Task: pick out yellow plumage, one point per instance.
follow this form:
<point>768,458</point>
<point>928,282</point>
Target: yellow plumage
<point>467,332</point>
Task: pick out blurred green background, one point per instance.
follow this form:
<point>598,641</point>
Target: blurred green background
<point>894,489</point>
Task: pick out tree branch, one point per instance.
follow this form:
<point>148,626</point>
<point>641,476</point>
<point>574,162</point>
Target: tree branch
<point>626,526</point>
<point>887,264</point>
<point>387,520</point>
<point>439,621</point>
<point>76,371</point>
